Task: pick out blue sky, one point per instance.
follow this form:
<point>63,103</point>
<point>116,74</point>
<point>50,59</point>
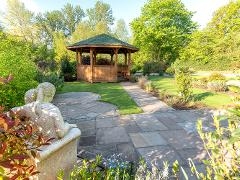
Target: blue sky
<point>126,9</point>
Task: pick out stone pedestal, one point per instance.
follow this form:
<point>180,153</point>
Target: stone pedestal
<point>61,154</point>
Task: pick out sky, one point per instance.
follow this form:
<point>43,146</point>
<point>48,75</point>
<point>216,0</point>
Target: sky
<point>125,9</point>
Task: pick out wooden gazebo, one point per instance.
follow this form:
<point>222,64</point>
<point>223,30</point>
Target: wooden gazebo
<point>102,44</point>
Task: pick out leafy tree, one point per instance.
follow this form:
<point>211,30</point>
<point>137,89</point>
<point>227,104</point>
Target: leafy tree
<point>48,23</point>
<point>217,46</point>
<point>101,12</point>
<point>163,29</point>
<point>121,31</point>
<point>71,17</point>
<point>20,21</point>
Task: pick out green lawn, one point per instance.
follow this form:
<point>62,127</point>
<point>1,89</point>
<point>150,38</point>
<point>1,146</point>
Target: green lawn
<point>110,92</point>
<point>210,99</point>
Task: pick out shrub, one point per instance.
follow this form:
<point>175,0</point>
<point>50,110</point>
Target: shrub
<point>17,62</point>
<point>184,83</point>
<point>234,89</point>
<point>149,86</point>
<point>217,85</point>
<point>142,81</point>
<point>133,79</point>
<point>216,77</point>
<point>200,83</point>
<point>117,169</point>
<point>68,69</point>
<point>170,70</point>
<point>153,67</point>
<point>51,77</point>
<point>19,141</point>
<point>223,146</point>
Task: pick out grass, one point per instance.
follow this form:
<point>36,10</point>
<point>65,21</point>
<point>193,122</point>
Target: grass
<point>110,92</point>
<point>210,99</point>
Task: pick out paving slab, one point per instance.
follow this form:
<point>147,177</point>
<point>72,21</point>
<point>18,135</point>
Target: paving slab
<point>128,152</point>
<point>147,139</point>
<point>148,122</point>
<point>158,154</point>
<point>195,154</point>
<point>107,122</point>
<point>112,135</point>
<point>179,139</point>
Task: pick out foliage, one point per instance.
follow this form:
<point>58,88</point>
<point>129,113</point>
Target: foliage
<point>216,47</point>
<point>113,168</point>
<point>101,12</point>
<point>222,145</point>
<point>216,77</point>
<point>153,67</point>
<point>203,96</point>
<point>19,141</point>
<point>15,61</point>
<point>142,81</point>
<point>162,30</point>
<point>217,85</point>
<point>184,83</point>
<point>149,86</point>
<point>68,69</point>
<point>170,70</point>
<point>200,83</point>
<point>110,92</point>
<point>20,21</point>
<point>235,89</point>
<point>51,77</point>
<point>121,31</point>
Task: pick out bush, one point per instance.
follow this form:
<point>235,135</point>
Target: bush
<point>216,77</point>
<point>184,83</point>
<point>200,83</point>
<point>223,146</point>
<point>234,89</point>
<point>114,168</point>
<point>68,69</point>
<point>217,86</point>
<point>153,67</point>
<point>142,81</point>
<point>133,79</point>
<point>17,62</point>
<point>170,70</point>
<point>19,141</point>
<point>51,77</point>
<point>149,86</point>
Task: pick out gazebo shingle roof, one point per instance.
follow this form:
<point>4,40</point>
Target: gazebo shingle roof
<point>103,42</point>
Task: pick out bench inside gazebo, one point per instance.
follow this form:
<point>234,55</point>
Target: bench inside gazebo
<point>111,71</point>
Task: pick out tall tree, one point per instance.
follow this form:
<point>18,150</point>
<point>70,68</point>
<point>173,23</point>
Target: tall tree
<point>121,30</point>
<point>20,21</point>
<point>71,17</point>
<point>101,12</point>
<point>163,29</point>
<point>217,47</point>
<point>48,23</point>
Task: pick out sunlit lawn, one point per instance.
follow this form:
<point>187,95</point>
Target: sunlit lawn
<point>210,99</point>
<point>110,92</point>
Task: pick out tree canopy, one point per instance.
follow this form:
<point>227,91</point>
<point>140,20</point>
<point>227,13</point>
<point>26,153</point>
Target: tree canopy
<point>216,47</point>
<point>162,30</point>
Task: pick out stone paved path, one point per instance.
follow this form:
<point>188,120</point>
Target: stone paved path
<point>159,134</point>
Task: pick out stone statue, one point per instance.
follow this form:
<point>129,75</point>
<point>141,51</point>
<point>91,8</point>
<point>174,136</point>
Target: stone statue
<point>43,93</point>
<point>46,115</point>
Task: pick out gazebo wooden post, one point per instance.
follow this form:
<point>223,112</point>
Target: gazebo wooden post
<point>129,63</point>
<point>91,64</point>
<point>80,56</point>
<point>116,61</point>
<point>125,55</point>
